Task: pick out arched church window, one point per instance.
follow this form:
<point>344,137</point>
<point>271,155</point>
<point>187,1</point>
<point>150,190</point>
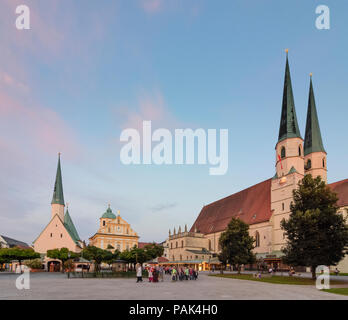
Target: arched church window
<point>282,152</point>
<point>309,164</point>
<point>283,206</point>
<point>323,162</point>
<point>257,239</point>
<point>299,151</point>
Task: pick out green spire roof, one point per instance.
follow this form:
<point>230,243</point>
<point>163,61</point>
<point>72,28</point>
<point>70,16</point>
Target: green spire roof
<point>288,121</point>
<point>58,197</point>
<point>313,141</point>
<point>69,226</point>
<point>108,214</point>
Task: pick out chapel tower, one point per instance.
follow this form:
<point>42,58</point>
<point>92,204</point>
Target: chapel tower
<point>57,204</point>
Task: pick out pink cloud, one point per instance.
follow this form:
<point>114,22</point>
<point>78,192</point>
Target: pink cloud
<point>150,107</point>
<point>29,129</point>
<point>151,6</point>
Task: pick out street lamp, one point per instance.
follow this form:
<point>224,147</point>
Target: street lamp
<point>68,268</point>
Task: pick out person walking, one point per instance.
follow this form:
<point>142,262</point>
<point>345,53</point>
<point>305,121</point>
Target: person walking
<point>174,274</point>
<point>139,273</point>
<point>150,274</point>
<point>161,273</point>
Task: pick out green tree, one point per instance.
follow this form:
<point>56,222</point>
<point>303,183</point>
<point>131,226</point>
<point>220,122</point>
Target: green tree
<point>10,254</point>
<point>236,244</point>
<point>62,254</point>
<point>153,251</point>
<point>316,233</point>
<point>97,255</point>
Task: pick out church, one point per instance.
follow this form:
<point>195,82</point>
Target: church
<point>264,205</point>
<point>114,233</point>
<point>60,232</point>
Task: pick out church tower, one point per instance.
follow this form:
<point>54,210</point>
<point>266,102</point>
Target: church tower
<point>289,154</point>
<point>314,152</point>
<point>289,163</point>
<point>57,204</point>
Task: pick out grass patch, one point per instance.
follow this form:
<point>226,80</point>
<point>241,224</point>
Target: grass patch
<point>343,291</point>
<point>340,274</point>
<point>275,279</point>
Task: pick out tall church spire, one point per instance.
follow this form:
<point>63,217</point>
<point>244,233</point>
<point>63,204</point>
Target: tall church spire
<point>288,121</point>
<point>58,197</point>
<point>313,141</point>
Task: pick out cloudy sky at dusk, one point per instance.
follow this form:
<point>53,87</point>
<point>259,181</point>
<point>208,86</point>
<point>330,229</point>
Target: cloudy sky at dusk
<point>86,70</point>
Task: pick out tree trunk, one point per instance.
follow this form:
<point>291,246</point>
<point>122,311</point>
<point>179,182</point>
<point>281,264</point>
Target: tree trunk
<point>314,276</point>
<point>239,269</point>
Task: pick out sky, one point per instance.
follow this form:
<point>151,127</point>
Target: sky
<point>87,69</point>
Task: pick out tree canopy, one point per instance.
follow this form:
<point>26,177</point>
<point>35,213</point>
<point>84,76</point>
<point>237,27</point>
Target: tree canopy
<point>10,254</point>
<point>236,244</point>
<point>316,233</point>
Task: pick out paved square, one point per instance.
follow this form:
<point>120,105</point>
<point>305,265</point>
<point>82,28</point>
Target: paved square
<point>57,286</point>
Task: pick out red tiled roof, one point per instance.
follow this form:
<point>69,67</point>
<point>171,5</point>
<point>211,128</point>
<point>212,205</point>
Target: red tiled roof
<point>341,188</point>
<point>252,205</point>
<point>162,259</point>
<point>141,245</point>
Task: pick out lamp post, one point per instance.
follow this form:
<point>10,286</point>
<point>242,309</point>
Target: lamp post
<point>68,268</point>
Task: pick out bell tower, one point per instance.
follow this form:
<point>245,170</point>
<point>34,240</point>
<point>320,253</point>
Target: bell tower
<point>57,204</point>
<point>289,163</point>
<point>314,152</point>
<point>289,148</point>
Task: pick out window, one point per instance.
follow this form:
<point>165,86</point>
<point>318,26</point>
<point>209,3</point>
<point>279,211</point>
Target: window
<point>104,223</point>
<point>61,235</point>
<point>282,152</point>
<point>180,257</point>
<point>209,244</point>
<point>109,230</point>
<point>171,245</point>
<point>299,151</point>
<point>257,239</point>
<point>51,235</point>
<point>118,247</point>
<point>283,206</point>
<point>309,164</point>
<point>323,162</point>
<point>176,244</point>
<point>182,244</point>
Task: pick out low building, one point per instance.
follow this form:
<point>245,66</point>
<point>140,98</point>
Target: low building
<point>114,233</point>
<point>187,249</point>
<point>6,242</point>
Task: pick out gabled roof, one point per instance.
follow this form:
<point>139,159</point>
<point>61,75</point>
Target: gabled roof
<point>251,205</point>
<point>70,227</point>
<point>341,188</point>
<point>313,141</point>
<point>15,243</point>
<point>288,120</point>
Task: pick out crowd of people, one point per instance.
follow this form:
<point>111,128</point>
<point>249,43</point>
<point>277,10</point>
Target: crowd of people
<point>156,274</point>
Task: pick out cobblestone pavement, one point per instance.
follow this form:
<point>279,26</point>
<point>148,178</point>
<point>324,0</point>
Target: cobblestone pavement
<point>57,286</point>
